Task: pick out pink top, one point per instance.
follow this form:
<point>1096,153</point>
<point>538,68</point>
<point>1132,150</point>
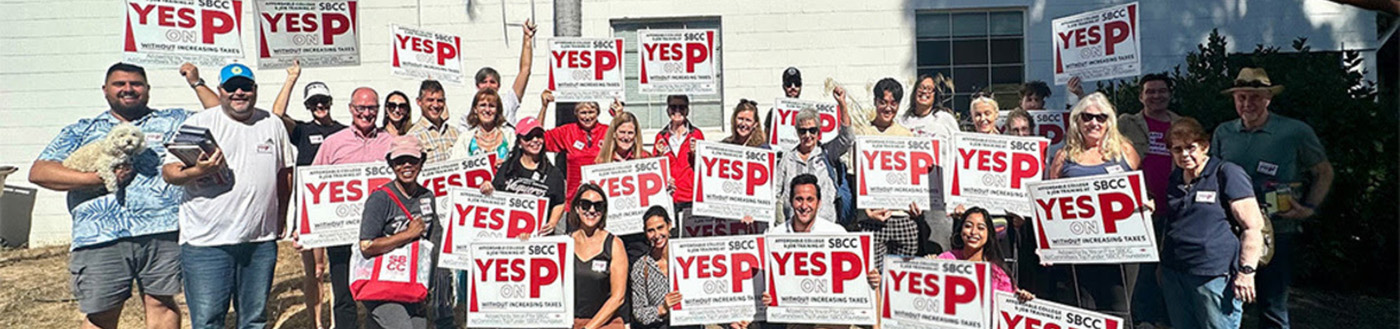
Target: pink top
<point>350,146</point>
<point>1000,281</point>
<point>1157,164</point>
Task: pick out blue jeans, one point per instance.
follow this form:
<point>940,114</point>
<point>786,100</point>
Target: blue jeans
<point>1205,302</point>
<point>1147,296</point>
<point>1272,283</point>
<point>218,275</point>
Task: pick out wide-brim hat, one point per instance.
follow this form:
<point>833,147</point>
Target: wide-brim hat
<point>1253,78</point>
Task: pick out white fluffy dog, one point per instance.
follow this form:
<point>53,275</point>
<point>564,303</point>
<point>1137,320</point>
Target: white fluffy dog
<point>104,156</point>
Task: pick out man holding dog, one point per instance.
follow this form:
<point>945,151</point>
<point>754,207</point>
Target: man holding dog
<point>128,234</point>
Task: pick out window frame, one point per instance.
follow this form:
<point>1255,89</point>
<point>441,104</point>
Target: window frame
<point>644,106</point>
<point>1006,99</point>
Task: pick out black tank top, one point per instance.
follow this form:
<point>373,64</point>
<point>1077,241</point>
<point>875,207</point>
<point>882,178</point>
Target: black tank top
<point>593,287</point>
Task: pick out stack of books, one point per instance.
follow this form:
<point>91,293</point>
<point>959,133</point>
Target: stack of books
<point>190,142</point>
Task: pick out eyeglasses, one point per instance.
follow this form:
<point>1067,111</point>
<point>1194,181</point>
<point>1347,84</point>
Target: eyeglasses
<point>600,205</point>
<point>239,84</point>
<point>808,131</point>
<point>393,105</point>
<point>364,108</point>
<point>1086,117</point>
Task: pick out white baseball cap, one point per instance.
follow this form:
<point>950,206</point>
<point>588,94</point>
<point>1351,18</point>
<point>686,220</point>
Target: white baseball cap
<point>316,89</point>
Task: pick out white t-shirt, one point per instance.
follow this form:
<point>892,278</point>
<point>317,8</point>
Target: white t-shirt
<point>510,105</point>
<point>940,124</point>
<point>239,203</point>
<point>819,225</point>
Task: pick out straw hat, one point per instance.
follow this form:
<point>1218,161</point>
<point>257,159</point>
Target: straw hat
<point>1253,78</point>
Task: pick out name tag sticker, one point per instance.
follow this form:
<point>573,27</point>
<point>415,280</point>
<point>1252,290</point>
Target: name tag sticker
<point>1114,169</point>
<point>578,145</point>
<point>425,206</point>
<point>316,139</point>
<point>1205,196</point>
<point>154,138</point>
<point>1267,168</point>
<point>600,266</point>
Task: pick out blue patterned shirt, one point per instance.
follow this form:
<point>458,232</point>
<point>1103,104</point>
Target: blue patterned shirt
<point>147,206</point>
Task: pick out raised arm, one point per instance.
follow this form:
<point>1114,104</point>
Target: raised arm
<point>279,107</point>
<point>527,51</point>
<point>207,97</point>
<point>546,97</point>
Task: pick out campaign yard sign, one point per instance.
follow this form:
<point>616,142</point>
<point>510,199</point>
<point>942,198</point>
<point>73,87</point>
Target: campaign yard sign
<point>632,187</point>
<point>991,171</point>
<point>478,217</point>
<point>893,172</point>
<point>1051,124</point>
<point>1040,314</point>
<point>820,278</point>
<point>586,69</point>
<point>421,54</point>
<point>733,181</point>
<point>677,62</point>
<point>167,33</point>
<point>1101,219</point>
<point>719,279</point>
<point>522,284</point>
<point>1097,45</point>
<point>329,199</point>
<point>922,293</point>
<point>782,130</point>
<point>319,33</point>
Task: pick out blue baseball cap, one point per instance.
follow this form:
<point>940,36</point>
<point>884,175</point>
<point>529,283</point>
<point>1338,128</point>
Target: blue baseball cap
<point>235,70</point>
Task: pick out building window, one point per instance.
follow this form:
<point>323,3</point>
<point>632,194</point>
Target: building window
<point>706,111</point>
<point>979,49</point>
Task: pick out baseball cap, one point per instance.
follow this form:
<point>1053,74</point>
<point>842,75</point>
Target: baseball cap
<point>235,70</point>
<point>316,89</point>
<point>792,76</point>
<point>524,126</point>
<point>404,146</point>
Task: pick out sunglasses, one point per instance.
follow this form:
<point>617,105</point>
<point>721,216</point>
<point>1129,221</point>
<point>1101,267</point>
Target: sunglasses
<point>808,131</point>
<point>401,106</point>
<point>599,206</point>
<point>677,107</point>
<point>403,160</point>
<point>534,134</point>
<point>238,84</point>
<point>325,105</point>
<point>1086,117</point>
<point>792,84</point>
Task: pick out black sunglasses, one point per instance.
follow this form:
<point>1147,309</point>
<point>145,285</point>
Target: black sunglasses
<point>1086,117</point>
<point>677,107</point>
<point>238,84</point>
<point>791,84</point>
<point>532,135</point>
<point>810,131</point>
<point>401,106</point>
<point>600,205</point>
<point>399,161</point>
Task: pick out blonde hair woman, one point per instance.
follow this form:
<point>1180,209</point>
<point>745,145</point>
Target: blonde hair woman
<point>620,144</point>
<point>1094,145</point>
<point>984,114</point>
<point>744,127</point>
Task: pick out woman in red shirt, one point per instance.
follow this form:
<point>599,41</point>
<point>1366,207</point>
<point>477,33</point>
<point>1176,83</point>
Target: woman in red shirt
<point>579,141</point>
<point>621,143</point>
<point>675,142</point>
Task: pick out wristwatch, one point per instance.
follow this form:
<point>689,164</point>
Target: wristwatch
<point>1247,269</point>
<point>197,84</point>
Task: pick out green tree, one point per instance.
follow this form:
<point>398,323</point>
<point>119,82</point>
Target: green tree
<point>1350,244</point>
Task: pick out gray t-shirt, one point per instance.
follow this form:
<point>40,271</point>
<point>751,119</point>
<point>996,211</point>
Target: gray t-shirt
<point>382,217</point>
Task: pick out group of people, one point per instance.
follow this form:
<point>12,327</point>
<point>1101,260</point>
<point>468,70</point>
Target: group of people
<point>210,228</point>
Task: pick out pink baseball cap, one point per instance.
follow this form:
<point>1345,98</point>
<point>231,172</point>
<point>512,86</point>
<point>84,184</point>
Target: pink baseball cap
<point>524,126</point>
<point>404,146</point>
